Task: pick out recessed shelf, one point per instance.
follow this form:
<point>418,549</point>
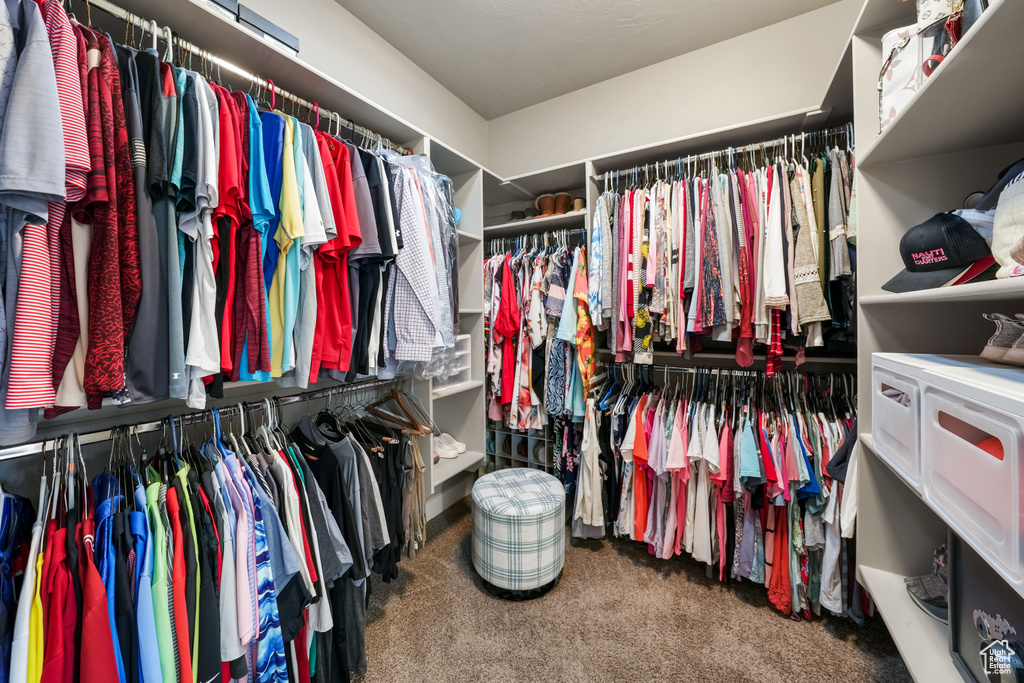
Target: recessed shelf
<point>446,468</point>
<point>457,388</point>
<point>994,290</point>
<point>470,311</point>
<point>923,642</point>
<point>468,237</point>
<point>990,53</point>
<point>539,224</point>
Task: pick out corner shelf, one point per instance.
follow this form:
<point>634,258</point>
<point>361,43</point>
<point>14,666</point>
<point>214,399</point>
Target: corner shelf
<point>457,388</point>
<point>965,75</point>
<point>917,635</point>
<point>539,224</point>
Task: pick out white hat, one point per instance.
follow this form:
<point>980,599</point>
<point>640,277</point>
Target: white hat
<point>1008,231</point>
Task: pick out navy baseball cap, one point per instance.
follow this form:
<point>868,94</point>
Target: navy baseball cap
<point>936,253</point>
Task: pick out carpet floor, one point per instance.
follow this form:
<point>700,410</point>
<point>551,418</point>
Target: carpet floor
<point>617,614</point>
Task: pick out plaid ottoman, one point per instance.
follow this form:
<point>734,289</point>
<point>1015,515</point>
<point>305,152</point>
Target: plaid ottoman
<point>518,532</point>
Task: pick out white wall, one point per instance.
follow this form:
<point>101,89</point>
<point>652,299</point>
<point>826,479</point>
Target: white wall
<point>764,74</point>
<point>334,41</point>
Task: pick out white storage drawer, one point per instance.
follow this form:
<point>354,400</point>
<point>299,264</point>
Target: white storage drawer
<point>896,384</point>
<point>895,427</point>
<point>972,441</point>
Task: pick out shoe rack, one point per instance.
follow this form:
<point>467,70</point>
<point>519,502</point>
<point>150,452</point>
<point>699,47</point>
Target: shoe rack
<point>925,162</point>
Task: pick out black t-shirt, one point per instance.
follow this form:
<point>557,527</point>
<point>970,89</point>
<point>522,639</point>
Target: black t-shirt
<point>389,176</point>
<point>124,608</point>
<point>380,204</point>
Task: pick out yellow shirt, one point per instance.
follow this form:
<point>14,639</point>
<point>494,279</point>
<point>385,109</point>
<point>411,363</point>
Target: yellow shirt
<point>35,629</point>
<point>289,228</point>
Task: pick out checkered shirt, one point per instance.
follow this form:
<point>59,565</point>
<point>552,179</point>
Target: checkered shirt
<point>518,528</point>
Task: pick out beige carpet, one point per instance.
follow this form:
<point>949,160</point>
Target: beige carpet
<point>616,615</point>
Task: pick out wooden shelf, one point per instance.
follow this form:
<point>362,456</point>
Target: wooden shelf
<point>468,237</point>
<point>539,224</point>
<point>1007,289</point>
<point>470,311</point>
<point>446,468</point>
<point>457,388</point>
<point>923,642</point>
<point>974,81</point>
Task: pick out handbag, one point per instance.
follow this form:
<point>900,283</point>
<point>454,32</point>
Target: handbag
<point>911,55</point>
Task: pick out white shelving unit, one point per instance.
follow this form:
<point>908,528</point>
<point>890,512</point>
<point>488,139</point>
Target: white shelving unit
<point>458,408</point>
<point>923,164</point>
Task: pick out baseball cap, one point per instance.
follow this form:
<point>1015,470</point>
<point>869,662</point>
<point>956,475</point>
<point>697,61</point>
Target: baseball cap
<point>937,253</point>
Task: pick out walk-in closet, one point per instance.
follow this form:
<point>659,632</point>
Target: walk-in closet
<point>486,341</point>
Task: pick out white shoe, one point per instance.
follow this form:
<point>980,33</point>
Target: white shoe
<point>449,441</point>
<point>443,450</point>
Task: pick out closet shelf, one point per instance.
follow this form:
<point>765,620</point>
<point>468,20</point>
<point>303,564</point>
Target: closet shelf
<point>868,441</point>
<point>470,311</point>
<point>993,290</point>
<point>920,639</point>
<point>457,388</point>
<point>539,224</point>
<point>468,237</point>
<point>446,468</point>
<point>973,80</point>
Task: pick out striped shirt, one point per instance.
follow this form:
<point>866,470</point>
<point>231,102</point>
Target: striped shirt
<point>38,304</point>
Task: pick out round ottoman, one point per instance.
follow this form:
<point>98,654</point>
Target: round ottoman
<point>518,532</point>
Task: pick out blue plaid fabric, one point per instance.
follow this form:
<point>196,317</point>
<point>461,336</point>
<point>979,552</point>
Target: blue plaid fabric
<point>518,528</point>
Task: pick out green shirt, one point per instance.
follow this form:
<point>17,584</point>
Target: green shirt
<point>164,633</point>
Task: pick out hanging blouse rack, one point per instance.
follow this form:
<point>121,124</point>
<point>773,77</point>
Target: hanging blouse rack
<point>786,146</point>
<point>97,436</point>
<point>212,60</point>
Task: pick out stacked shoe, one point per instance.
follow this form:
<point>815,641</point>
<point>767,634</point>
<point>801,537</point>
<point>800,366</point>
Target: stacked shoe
<point>445,446</point>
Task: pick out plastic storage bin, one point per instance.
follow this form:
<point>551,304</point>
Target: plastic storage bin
<point>972,438</point>
<point>896,420</point>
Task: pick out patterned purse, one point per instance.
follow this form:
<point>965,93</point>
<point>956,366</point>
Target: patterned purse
<point>910,54</point>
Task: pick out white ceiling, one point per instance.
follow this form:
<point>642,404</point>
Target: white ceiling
<point>499,56</point>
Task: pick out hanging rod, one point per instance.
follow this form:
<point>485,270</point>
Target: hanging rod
<point>716,355</point>
<point>222,64</point>
<point>690,369</point>
<point>497,244</point>
<point>14,452</point>
<point>789,142</point>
